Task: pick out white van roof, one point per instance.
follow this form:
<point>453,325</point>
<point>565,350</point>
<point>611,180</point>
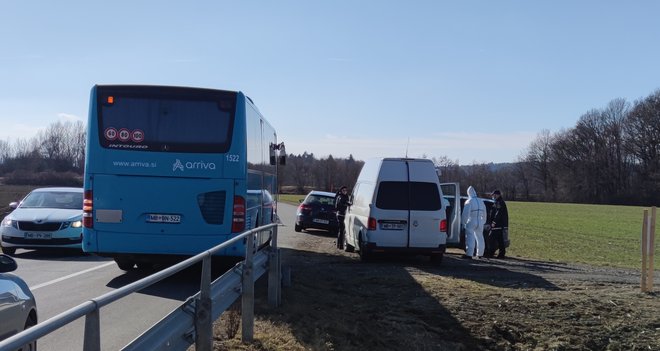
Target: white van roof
<point>390,168</point>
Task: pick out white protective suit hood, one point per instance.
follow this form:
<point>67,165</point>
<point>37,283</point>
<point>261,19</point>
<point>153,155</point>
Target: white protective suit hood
<point>471,192</point>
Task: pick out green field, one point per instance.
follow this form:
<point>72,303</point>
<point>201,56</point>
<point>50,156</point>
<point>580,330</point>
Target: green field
<point>594,234</point>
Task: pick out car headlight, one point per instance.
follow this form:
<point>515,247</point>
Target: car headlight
<point>8,222</point>
<point>74,224</point>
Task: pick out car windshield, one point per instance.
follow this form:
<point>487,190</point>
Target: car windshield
<point>320,200</point>
<point>53,199</point>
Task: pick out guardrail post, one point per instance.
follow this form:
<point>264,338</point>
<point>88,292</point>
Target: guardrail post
<point>92,341</point>
<point>203,308</point>
<point>247,302</point>
<point>274,273</point>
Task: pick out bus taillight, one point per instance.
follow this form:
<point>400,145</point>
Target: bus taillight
<point>238,215</point>
<point>88,206</point>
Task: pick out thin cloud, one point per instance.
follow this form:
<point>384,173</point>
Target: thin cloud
<point>466,147</point>
<point>19,131</point>
<point>67,117</point>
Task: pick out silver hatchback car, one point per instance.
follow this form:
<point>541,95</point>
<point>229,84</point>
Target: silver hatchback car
<point>45,218</point>
<point>18,309</point>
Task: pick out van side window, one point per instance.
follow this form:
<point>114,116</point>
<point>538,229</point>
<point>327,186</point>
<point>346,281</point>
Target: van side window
<point>414,196</point>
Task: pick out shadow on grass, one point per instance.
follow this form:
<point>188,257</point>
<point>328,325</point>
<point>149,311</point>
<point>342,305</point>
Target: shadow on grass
<point>508,273</point>
<point>336,302</point>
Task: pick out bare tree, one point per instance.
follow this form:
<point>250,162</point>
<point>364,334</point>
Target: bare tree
<point>5,151</point>
<point>538,158</point>
<point>642,141</point>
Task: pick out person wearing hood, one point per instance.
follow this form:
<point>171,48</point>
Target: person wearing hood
<point>474,218</point>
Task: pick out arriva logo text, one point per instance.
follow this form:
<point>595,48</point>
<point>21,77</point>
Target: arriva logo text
<point>181,166</point>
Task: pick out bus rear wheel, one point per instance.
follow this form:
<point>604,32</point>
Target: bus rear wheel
<point>125,265</point>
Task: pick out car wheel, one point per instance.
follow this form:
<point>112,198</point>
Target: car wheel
<point>125,265</point>
<point>297,228</point>
<point>29,323</point>
<point>9,250</point>
<point>436,258</point>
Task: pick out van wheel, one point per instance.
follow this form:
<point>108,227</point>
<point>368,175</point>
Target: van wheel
<point>297,228</point>
<point>348,247</point>
<point>436,258</point>
<point>365,256</point>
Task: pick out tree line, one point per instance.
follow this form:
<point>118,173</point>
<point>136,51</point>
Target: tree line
<point>611,156</point>
<point>55,156</point>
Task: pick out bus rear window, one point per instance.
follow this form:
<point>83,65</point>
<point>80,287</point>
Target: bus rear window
<point>166,120</point>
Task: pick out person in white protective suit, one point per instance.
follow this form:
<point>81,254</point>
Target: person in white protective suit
<point>474,218</point>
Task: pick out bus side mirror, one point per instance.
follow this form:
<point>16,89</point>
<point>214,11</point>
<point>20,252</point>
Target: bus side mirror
<point>282,155</point>
<point>273,159</point>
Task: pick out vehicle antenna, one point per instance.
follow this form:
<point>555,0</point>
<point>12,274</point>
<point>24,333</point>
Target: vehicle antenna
<point>407,144</point>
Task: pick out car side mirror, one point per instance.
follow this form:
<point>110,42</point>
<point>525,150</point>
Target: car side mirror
<point>7,264</point>
<point>13,205</point>
<point>301,200</point>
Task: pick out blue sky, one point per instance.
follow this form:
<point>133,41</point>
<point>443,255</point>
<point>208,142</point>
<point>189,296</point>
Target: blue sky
<point>471,80</point>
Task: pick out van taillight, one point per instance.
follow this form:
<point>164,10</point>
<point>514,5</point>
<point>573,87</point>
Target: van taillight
<point>443,225</point>
<point>238,215</point>
<point>372,223</point>
<point>88,207</point>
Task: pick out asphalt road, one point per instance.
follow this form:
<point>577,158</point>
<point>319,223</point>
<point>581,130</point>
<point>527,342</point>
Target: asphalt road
<point>62,280</point>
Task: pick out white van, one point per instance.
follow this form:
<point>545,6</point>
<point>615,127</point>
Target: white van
<point>397,207</point>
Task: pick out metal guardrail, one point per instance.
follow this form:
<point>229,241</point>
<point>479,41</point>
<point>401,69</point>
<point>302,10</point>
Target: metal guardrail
<point>190,323</point>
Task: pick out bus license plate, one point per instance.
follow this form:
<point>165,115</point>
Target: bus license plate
<point>42,236</point>
<point>163,218</point>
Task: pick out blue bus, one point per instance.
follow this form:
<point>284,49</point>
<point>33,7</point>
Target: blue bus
<point>173,171</point>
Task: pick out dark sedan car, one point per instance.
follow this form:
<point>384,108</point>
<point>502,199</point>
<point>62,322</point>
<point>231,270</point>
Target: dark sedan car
<point>317,211</point>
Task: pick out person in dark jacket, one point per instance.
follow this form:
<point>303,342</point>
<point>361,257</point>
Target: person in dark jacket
<point>341,204</point>
<point>499,222</point>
